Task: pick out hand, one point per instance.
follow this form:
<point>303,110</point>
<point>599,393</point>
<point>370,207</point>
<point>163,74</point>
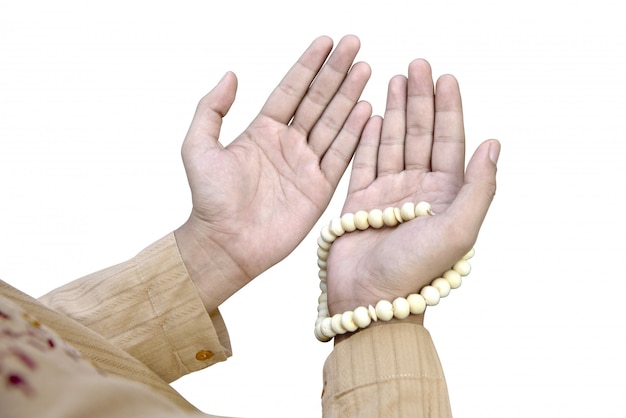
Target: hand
<point>417,153</point>
<point>255,199</point>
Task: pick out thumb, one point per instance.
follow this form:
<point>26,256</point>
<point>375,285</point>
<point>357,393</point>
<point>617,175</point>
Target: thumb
<point>207,120</point>
<point>473,200</point>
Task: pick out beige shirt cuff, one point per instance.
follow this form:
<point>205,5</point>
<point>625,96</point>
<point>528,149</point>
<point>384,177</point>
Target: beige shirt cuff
<point>149,307</point>
<point>390,370</point>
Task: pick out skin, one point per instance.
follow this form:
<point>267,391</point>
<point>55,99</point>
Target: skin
<point>277,177</point>
<point>416,153</point>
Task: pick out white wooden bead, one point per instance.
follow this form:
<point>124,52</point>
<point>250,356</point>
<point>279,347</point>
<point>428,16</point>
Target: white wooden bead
<point>375,218</point>
<point>336,324</point>
<point>360,220</point>
<point>323,297</point>
<point>318,325</point>
<point>318,321</point>
<point>322,274</point>
<point>417,304</point>
<point>347,321</point>
<point>469,255</point>
<point>361,317</point>
<point>372,313</point>
<point>322,336</point>
<point>327,235</point>
<point>321,264</point>
<point>318,333</point>
<point>453,277</point>
<point>322,311</point>
<point>442,285</point>
<point>335,227</point>
<point>430,295</point>
<point>323,287</point>
<point>323,244</point>
<point>401,308</point>
<point>407,211</point>
<point>322,254</point>
<point>384,310</point>
<point>326,328</point>
<point>423,209</point>
<point>389,217</point>
<point>462,267</point>
<point>347,222</point>
<point>396,211</point>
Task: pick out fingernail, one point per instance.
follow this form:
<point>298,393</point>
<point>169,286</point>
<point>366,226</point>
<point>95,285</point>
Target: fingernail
<point>494,151</point>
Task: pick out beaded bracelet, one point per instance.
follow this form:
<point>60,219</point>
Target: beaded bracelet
<point>326,327</point>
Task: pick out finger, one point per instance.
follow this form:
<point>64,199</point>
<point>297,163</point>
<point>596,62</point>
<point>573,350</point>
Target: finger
<point>207,120</point>
<point>364,165</point>
<point>284,100</point>
<point>391,152</point>
<point>460,223</point>
<point>448,153</point>
<point>336,159</point>
<point>335,115</point>
<point>420,116</point>
<point>327,84</point>
<point>470,207</point>
<point>286,97</point>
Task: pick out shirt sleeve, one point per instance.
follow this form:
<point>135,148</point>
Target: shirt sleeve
<point>42,375</point>
<point>391,370</point>
<point>149,307</point>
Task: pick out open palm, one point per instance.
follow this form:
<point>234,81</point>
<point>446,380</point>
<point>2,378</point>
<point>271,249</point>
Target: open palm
<point>416,153</point>
<point>255,199</point>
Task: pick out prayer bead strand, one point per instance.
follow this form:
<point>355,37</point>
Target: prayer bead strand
<point>326,327</point>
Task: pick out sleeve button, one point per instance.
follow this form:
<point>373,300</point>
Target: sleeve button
<point>203,355</point>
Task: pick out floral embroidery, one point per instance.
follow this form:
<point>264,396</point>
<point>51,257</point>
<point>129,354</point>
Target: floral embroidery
<point>12,378</point>
<point>18,333</point>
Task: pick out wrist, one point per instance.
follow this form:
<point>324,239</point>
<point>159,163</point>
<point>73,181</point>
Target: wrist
<point>332,320</point>
<point>411,319</point>
<point>215,274</point>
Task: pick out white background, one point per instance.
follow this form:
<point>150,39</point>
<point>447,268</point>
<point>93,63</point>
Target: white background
<point>95,99</point>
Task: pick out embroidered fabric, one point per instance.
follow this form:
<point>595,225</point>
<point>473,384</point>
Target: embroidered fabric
<point>24,345</point>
